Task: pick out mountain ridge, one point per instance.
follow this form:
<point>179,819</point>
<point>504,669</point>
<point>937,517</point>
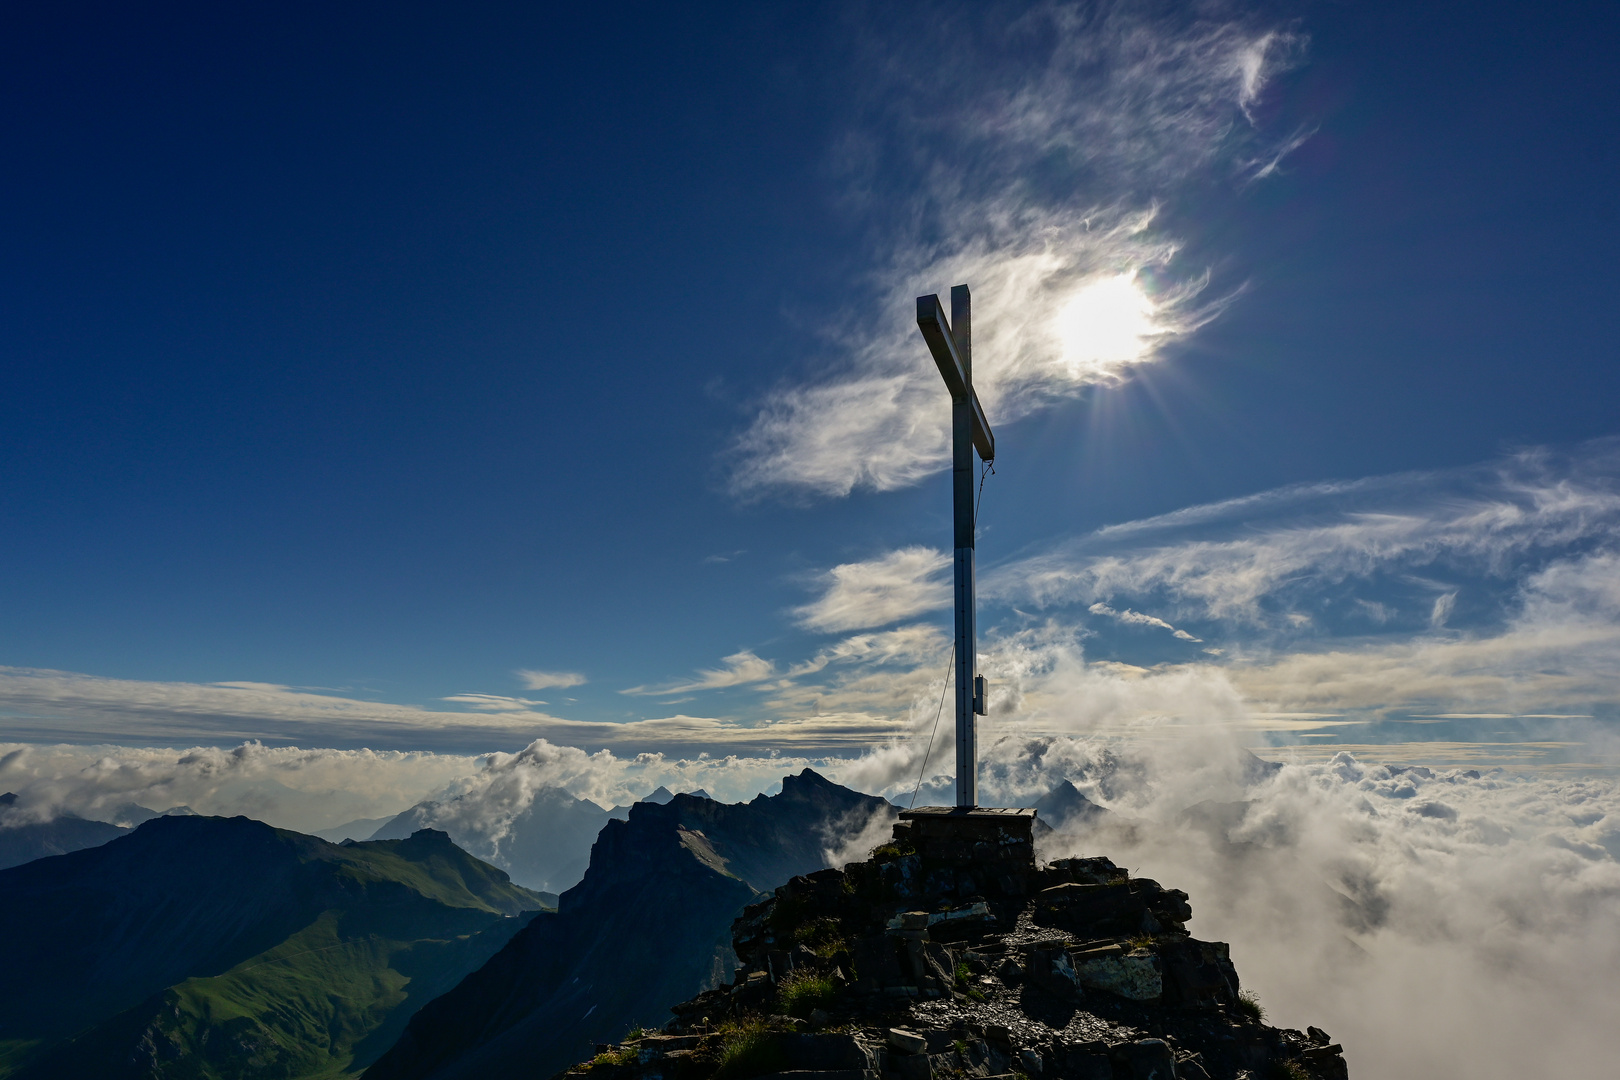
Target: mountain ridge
<point>133,947</point>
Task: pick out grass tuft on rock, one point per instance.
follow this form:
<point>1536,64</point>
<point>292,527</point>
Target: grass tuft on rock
<point>894,849</point>
<point>623,1055</point>
<point>1249,1005</point>
<point>802,993</point>
<point>822,935</point>
<point>749,1048</point>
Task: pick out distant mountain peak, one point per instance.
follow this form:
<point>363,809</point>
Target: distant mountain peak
<point>1066,808</point>
<point>132,815</point>
<point>1255,769</point>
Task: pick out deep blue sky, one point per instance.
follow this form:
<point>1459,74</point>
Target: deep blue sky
<point>393,348</point>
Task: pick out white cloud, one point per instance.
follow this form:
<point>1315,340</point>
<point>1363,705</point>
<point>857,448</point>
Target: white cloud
<point>287,786</point>
<point>1530,535</point>
<point>56,706</point>
<point>1434,923</point>
<point>738,669</point>
<point>494,702</point>
<point>1136,618</point>
<point>1043,175</point>
<point>918,643</point>
<point>887,589</point>
<point>543,680</point>
<point>45,704</point>
<point>1247,560</point>
<point>1558,654</point>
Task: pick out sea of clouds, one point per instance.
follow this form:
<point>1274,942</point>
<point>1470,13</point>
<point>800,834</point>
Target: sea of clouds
<point>1437,922</point>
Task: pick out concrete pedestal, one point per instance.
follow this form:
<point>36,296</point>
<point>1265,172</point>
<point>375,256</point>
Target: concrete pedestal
<point>994,845</point>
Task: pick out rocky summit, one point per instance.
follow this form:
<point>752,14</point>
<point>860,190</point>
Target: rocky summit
<point>951,953</point>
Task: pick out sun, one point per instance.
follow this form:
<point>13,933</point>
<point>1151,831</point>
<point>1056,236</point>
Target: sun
<point>1109,323</point>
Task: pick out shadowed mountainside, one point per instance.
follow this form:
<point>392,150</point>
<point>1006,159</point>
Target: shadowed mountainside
<point>657,901</point>
<point>546,846</point>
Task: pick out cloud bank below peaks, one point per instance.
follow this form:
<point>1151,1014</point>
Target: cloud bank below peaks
<point>1034,175</point>
<point>1436,922</point>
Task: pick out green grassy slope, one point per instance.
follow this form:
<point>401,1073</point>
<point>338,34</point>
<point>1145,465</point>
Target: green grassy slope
<point>363,935</point>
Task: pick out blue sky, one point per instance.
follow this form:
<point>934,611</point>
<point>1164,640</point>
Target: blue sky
<point>402,377</point>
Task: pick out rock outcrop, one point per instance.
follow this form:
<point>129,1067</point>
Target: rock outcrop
<point>951,953</point>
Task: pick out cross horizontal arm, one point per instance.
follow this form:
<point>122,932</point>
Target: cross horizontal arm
<point>937,332</point>
<point>983,438</point>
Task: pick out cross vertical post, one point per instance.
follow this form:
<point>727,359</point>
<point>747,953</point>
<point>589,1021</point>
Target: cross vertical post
<point>952,347</point>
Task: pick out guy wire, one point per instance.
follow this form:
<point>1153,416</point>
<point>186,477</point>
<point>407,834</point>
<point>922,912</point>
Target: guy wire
<point>929,749</point>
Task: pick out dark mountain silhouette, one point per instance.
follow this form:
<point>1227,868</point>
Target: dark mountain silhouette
<point>196,945</point>
<point>24,841</point>
<point>659,795</point>
<point>649,925</point>
<point>1067,810</point>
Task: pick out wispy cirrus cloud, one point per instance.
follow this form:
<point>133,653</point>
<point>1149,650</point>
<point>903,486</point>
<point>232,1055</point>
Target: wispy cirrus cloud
<point>914,643</point>
<point>1264,560</point>
<point>1491,588</point>
<point>494,702</point>
<point>57,706</point>
<point>1136,618</point>
<point>1036,177</point>
<point>894,586</point>
<point>738,669</point>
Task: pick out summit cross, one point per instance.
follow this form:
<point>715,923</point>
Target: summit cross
<point>952,346</point>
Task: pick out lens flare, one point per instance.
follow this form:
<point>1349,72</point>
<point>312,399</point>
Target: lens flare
<point>1108,324</point>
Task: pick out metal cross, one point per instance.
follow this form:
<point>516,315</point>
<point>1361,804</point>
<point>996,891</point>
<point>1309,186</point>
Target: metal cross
<point>952,346</point>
